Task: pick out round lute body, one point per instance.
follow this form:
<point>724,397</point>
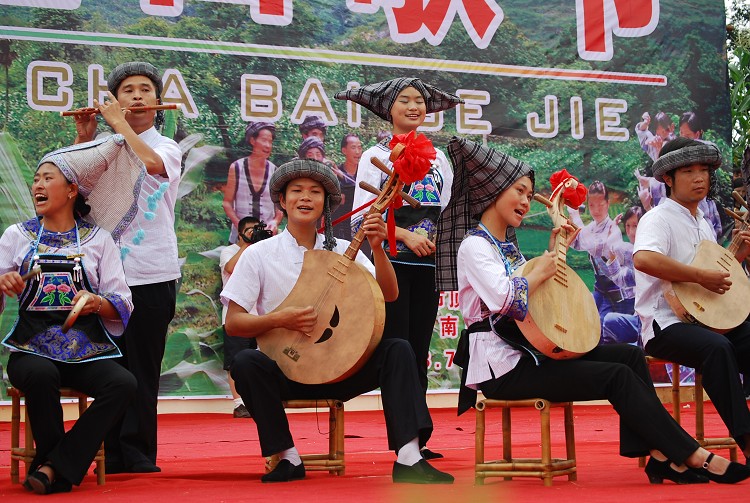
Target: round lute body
<point>351,317</point>
<point>720,312</point>
<point>349,305</point>
<point>562,320</point>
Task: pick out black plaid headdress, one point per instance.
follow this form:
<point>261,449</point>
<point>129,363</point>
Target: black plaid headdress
<point>380,97</point>
<point>480,174</point>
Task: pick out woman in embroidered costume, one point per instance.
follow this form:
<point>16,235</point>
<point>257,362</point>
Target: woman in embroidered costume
<point>75,258</point>
<point>404,102</point>
<point>477,254</point>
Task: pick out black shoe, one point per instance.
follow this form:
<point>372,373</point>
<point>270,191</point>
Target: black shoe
<point>143,467</point>
<point>285,471</point>
<point>39,483</point>
<point>241,411</point>
<point>420,473</point>
<point>735,472</point>
<point>657,471</point>
<point>428,454</point>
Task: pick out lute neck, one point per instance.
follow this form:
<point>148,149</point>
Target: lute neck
<point>734,245</point>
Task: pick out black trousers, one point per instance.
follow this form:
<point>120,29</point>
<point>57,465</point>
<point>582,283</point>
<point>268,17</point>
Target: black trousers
<point>134,439</point>
<point>111,386</point>
<point>411,317</point>
<point>720,358</point>
<point>614,372</point>
<point>263,386</point>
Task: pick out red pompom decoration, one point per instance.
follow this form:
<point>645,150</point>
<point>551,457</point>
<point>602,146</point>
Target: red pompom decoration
<point>573,197</point>
<point>416,159</point>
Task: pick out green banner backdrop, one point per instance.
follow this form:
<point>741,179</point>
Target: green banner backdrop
<point>559,84</point>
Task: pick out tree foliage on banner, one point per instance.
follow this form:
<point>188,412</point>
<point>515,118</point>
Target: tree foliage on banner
<point>686,47</point>
<point>738,39</point>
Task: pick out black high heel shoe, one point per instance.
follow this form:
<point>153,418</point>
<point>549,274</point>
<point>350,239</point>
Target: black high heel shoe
<point>657,471</point>
<point>38,482</point>
<point>735,472</point>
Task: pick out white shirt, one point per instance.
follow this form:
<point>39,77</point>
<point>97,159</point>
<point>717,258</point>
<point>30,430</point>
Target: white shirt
<point>226,255</point>
<point>268,270</point>
<point>154,259</point>
<point>482,276</point>
<point>671,230</point>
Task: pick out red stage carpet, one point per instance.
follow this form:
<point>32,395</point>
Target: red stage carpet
<point>214,457</point>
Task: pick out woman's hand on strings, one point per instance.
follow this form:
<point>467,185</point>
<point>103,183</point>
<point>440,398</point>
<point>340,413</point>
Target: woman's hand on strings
<point>572,233</point>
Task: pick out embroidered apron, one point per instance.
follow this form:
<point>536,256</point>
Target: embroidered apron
<point>43,307</point>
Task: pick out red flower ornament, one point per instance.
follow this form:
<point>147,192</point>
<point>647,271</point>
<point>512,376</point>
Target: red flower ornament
<point>575,194</point>
<point>415,162</point>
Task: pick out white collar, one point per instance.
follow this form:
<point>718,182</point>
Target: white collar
<point>290,240</point>
<point>673,205</point>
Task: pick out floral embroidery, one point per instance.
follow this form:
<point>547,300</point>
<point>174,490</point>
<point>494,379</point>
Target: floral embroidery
<point>426,190</point>
<point>519,307</point>
<point>57,239</point>
<point>71,347</point>
<point>120,306</point>
<point>62,292</point>
<point>56,291</point>
<point>512,259</point>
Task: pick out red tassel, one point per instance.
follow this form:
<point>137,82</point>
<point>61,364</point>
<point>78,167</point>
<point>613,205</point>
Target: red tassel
<point>396,203</point>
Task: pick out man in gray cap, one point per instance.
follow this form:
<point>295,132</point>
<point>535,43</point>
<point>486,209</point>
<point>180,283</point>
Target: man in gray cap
<point>149,252</point>
<point>306,189</point>
<point>664,247</point>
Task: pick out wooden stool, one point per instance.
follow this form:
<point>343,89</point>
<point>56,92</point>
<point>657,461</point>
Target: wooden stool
<point>333,461</point>
<point>545,467</point>
<point>708,443</point>
<point>27,452</point>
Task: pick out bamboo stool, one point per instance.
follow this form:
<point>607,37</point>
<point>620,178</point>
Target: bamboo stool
<point>27,452</point>
<point>545,467</point>
<point>708,443</point>
<point>333,461</point>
